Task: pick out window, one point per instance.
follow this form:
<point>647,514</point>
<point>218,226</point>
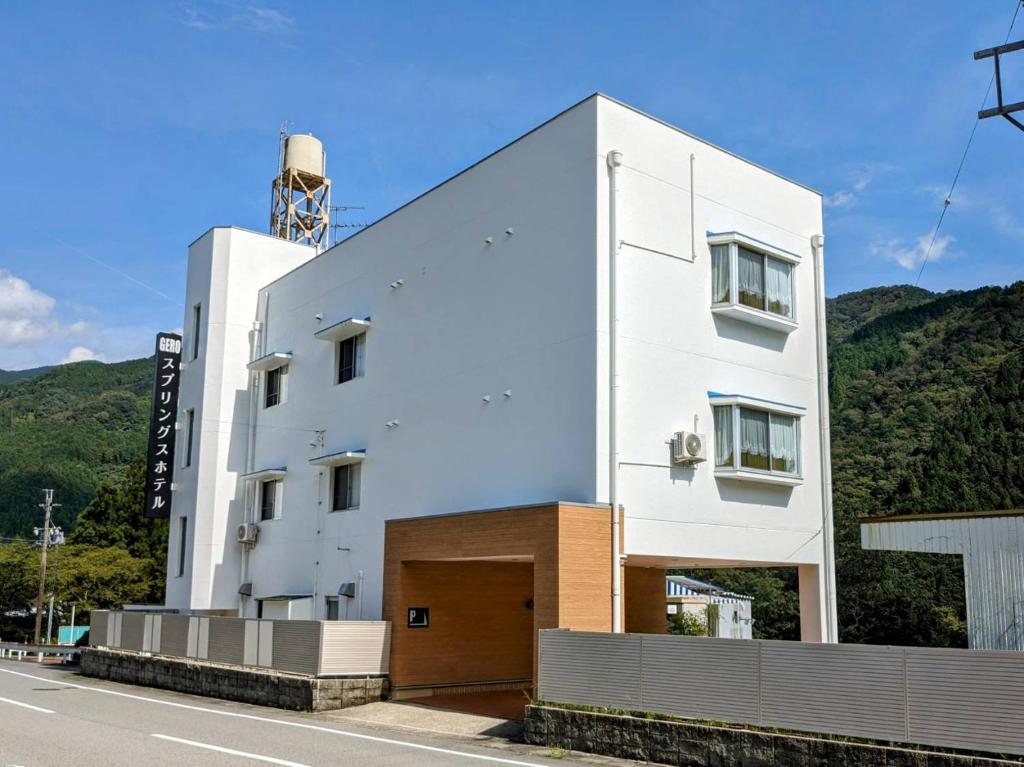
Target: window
<point>333,613</point>
<point>277,385</point>
<point>744,279</point>
<point>182,541</point>
<point>197,316</point>
<point>350,358</point>
<point>345,487</point>
<point>190,424</point>
<point>755,439</point>
<point>270,499</point>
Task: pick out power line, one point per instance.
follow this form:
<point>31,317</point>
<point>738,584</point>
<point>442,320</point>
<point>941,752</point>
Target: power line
<point>949,197</point>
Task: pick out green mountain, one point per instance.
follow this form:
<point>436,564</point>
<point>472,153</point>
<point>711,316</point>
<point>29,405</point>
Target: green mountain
<point>69,428</point>
<point>13,376</point>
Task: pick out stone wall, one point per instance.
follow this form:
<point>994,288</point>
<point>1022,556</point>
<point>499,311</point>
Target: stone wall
<point>244,684</point>
<point>692,745</point>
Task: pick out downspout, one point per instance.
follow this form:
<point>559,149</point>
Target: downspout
<point>250,446</point>
<point>614,161</point>
<point>693,220</point>
<point>824,430</point>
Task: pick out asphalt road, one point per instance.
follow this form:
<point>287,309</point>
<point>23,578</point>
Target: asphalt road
<point>50,717</point>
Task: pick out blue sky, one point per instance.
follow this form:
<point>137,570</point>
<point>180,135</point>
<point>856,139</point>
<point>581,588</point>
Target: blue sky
<point>128,129</point>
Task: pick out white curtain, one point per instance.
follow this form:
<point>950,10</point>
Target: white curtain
<point>784,444</point>
<point>753,438</point>
<point>751,278</point>
<point>719,274</point>
<point>779,287</point>
<point>723,436</point>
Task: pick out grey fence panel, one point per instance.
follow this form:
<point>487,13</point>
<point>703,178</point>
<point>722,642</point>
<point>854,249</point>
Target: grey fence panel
<point>700,678</point>
<point>174,635</point>
<point>967,699</point>
<point>98,620</point>
<point>296,646</point>
<point>133,629</point>
<point>226,640</point>
<point>590,668</point>
<point>852,690</point>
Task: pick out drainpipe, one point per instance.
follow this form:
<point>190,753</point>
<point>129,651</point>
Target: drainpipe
<point>614,161</point>
<point>831,619</point>
<point>250,446</point>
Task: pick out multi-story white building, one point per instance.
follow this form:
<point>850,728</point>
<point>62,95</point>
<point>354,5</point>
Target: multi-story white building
<point>457,356</point>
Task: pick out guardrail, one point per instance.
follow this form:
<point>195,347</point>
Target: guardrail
<point>966,699</point>
<point>314,648</point>
<point>19,651</point>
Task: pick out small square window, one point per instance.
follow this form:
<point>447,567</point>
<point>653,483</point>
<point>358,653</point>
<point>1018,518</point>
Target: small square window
<point>345,487</point>
<point>351,353</point>
<point>277,383</point>
<point>270,500</point>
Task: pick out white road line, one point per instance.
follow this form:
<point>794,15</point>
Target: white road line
<point>233,752</point>
<point>283,722</point>
<point>26,705</point>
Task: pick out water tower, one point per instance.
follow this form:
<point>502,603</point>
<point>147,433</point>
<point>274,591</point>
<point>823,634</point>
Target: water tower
<point>300,208</point>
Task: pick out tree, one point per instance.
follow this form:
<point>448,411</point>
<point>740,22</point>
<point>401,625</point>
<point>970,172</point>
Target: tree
<point>687,624</point>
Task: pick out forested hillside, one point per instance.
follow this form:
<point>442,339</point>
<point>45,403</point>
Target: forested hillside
<point>927,416</point>
<point>69,428</point>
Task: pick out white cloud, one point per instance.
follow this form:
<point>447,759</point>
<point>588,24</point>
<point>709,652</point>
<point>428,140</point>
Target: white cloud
<point>229,16</point>
<point>911,256</point>
<point>860,178</point>
<point>26,314</point>
<point>841,199</point>
<point>80,354</point>
<point>18,299</point>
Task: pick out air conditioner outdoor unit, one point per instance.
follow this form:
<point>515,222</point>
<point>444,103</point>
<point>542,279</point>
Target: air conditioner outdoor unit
<point>248,533</point>
<point>688,448</point>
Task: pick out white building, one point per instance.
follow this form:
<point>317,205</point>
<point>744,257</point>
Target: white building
<point>728,615</point>
<point>456,356</point>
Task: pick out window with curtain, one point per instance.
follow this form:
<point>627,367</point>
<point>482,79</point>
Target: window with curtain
<point>753,439</point>
<point>783,443</point>
<point>756,439</point>
<point>750,272</point>
<point>723,437</point>
<point>720,274</point>
<point>779,287</point>
<point>743,276</point>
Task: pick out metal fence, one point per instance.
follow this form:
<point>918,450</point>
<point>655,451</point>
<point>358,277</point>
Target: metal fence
<point>967,699</point>
<point>316,648</point>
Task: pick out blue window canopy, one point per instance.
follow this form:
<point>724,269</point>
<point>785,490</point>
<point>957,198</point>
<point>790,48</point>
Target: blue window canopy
<point>270,361</point>
<point>342,331</point>
<point>342,458</point>
<point>724,238</point>
<point>759,403</point>
<point>265,474</point>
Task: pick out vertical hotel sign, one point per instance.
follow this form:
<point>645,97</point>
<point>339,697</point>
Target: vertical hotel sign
<point>160,455</point>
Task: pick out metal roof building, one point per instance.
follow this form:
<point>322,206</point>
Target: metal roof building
<point>992,546</point>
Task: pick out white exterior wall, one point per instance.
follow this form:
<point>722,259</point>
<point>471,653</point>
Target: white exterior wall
<point>527,313</point>
<point>226,267</point>
<point>470,320</point>
<point>673,350</point>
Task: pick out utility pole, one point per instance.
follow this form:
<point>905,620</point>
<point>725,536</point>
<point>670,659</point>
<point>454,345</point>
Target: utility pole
<point>47,506</point>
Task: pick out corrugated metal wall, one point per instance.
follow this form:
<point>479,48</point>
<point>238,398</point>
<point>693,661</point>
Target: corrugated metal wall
<point>174,635</point>
<point>947,698</point>
<point>297,646</point>
<point>328,648</point>
<point>226,641</point>
<point>993,552</point>
<point>354,647</point>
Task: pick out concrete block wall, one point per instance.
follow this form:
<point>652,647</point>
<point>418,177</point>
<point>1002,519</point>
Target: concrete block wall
<point>246,685</point>
<point>695,745</point>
